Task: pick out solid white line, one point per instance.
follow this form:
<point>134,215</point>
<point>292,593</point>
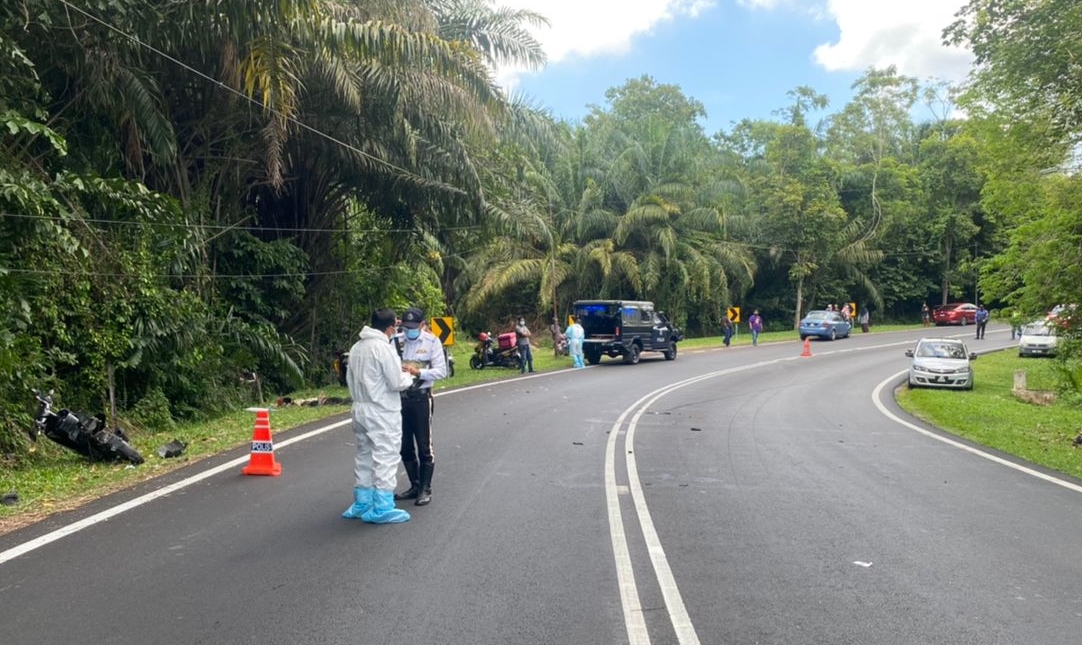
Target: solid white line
<point>670,591</point>
<point>629,596</point>
<point>109,513</point>
<point>634,622</point>
<point>958,444</point>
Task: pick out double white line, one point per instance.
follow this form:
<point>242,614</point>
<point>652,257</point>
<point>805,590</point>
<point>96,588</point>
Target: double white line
<point>629,594</point>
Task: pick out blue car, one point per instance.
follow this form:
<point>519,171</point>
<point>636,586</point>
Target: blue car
<point>824,324</point>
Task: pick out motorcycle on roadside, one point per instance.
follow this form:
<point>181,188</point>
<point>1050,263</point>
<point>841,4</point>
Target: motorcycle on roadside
<point>88,436</point>
<point>503,353</point>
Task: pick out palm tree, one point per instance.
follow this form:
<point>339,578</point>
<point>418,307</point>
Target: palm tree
<point>671,189</point>
<point>500,34</point>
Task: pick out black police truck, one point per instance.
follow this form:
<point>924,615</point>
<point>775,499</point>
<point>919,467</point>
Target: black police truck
<point>624,328</point>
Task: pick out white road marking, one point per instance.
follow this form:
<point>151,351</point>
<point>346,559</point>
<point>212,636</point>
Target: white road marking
<point>109,513</point>
<point>629,595</point>
<point>958,444</point>
<point>87,522</point>
<point>633,614</point>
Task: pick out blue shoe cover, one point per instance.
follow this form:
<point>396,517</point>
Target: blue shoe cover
<point>383,510</point>
<point>362,503</point>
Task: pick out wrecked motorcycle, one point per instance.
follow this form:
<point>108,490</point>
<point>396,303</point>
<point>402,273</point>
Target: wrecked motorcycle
<point>89,437</point>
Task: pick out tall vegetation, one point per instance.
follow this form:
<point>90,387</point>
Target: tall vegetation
<point>202,201</point>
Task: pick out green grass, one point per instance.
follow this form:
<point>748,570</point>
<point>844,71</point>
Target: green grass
<point>57,479</point>
<point>990,415</point>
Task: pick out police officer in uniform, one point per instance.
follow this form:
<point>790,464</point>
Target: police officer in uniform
<point>423,349</point>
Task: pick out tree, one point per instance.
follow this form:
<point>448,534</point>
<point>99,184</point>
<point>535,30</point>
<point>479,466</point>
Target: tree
<point>1026,60</point>
<point>271,138</point>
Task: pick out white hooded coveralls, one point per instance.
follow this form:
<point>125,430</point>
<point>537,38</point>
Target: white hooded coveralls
<point>375,380</point>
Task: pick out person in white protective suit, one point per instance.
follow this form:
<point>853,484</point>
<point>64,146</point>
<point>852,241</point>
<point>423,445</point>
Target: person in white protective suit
<point>575,335</point>
<point>376,375</point>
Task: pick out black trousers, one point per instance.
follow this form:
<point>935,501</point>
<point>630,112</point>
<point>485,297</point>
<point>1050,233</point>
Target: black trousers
<point>417,407</point>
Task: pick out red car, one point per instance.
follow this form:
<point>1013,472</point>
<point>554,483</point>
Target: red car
<point>1062,315</point>
<point>955,313</point>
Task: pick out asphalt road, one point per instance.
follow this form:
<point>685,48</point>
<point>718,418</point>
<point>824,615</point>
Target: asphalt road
<point>746,495</point>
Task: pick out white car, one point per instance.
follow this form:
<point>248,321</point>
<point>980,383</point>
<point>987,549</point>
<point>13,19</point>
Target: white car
<point>941,362</point>
<point>1038,339</point>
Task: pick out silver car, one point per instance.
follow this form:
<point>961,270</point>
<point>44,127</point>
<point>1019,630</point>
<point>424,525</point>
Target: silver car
<point>1038,339</point>
<point>941,362</point>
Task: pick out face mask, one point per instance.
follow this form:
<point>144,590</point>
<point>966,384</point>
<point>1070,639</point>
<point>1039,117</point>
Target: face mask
<point>413,334</point>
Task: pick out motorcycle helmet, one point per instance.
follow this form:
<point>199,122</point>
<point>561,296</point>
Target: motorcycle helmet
<point>482,337</point>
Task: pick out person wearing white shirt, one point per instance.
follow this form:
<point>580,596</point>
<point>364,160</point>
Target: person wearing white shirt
<point>422,349</point>
<point>375,376</point>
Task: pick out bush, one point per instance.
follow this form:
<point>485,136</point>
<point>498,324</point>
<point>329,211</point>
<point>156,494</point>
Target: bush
<point>152,412</point>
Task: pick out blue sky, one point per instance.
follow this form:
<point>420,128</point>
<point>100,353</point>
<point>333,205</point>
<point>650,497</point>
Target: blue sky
<point>738,57</point>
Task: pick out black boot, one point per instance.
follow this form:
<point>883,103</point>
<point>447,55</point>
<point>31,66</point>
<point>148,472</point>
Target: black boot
<point>415,486</point>
<point>424,493</point>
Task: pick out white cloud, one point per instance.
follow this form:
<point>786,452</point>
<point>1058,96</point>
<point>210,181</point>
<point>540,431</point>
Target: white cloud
<point>904,33</point>
<point>597,27</point>
<point>765,4</point>
<point>873,33</point>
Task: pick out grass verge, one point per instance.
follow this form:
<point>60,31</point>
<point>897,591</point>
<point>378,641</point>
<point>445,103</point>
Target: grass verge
<point>990,415</point>
<point>57,480</point>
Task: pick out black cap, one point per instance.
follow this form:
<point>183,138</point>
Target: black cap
<point>412,318</point>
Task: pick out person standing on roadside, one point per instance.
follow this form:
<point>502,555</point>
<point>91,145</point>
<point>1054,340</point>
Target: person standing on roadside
<point>522,338</point>
<point>1016,323</point>
<point>559,339</point>
<point>726,330</point>
<point>981,318</point>
<point>376,376</point>
<point>925,315</point>
<point>865,320</point>
<point>575,334</point>
<point>419,348</point>
<point>755,323</point>
<point>340,365</point>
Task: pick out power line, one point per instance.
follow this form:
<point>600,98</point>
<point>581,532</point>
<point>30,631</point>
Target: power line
<point>187,276</point>
<point>219,276</point>
<point>242,95</point>
<point>212,227</point>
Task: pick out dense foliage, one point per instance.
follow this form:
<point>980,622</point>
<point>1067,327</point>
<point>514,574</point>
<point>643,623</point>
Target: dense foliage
<point>202,201</point>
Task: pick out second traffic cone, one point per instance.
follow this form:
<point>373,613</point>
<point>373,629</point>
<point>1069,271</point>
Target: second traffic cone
<point>807,349</point>
<point>261,461</point>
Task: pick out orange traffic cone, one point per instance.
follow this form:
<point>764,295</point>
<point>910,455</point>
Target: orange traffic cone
<point>261,461</point>
<point>807,349</point>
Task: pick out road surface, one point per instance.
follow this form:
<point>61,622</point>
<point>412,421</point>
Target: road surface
<point>746,495</point>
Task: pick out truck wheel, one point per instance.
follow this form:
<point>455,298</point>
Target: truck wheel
<point>632,355</point>
<point>593,358</point>
<point>670,353</point>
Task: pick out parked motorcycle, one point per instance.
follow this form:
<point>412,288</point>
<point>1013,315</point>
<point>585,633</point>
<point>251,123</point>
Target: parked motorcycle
<point>90,437</point>
<point>560,346</point>
<point>450,362</point>
<point>499,353</point>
